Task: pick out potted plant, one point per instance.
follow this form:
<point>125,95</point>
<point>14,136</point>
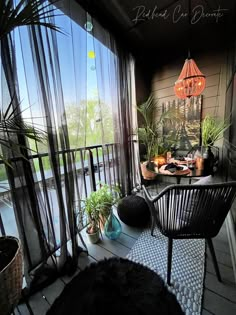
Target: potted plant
<point>91,207</point>
<point>212,130</point>
<point>98,207</point>
<point>150,132</point>
<point>11,123</point>
<point>108,196</point>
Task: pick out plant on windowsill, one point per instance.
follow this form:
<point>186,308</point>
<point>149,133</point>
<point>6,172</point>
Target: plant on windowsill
<point>150,132</point>
<point>98,207</point>
<point>13,128</point>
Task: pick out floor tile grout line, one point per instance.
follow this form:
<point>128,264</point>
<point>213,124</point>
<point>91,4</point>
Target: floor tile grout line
<point>204,308</point>
<point>131,235</point>
<point>223,297</point>
<point>224,281</point>
<point>108,250</point>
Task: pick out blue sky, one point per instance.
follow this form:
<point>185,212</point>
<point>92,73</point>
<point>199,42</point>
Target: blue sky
<point>78,71</point>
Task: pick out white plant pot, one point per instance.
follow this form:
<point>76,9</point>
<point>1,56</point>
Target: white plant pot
<point>94,237</point>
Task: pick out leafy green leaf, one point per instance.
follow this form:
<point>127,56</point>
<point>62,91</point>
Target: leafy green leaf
<point>33,12</point>
<point>213,130</point>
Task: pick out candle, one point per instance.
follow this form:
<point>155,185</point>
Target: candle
<point>168,156</point>
<point>199,163</point>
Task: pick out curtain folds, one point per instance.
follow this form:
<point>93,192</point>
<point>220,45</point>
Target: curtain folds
<point>116,73</point>
<point>127,122</point>
<point>79,88</point>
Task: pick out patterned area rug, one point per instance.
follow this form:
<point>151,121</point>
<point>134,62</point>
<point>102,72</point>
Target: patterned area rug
<point>188,266</point>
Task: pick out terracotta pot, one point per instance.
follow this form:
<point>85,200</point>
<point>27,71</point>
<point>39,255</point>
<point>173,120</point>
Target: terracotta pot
<point>146,173</point>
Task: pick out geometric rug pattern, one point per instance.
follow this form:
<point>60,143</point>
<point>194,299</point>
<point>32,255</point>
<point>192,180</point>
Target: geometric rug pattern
<point>188,266</point>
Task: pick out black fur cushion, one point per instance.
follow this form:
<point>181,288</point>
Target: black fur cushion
<point>116,287</point>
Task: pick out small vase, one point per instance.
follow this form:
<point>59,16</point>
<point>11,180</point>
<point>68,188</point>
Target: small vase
<point>112,227</point>
<point>208,157</point>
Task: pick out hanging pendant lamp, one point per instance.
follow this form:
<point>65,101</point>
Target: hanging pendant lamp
<point>191,81</point>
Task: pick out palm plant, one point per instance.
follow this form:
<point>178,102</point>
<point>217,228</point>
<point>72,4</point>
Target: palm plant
<point>150,133</point>
<point>26,12</point>
<point>213,130</point>
<point>12,15</point>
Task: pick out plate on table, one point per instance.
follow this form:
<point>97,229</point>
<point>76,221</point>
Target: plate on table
<point>184,171</point>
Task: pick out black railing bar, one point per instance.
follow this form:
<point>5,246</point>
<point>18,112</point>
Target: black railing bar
<point>98,166</point>
<point>113,163</point>
<point>109,169</point>
<point>84,179</point>
<point>117,165</point>
<point>91,170</point>
<point>78,169</point>
<point>45,154</point>
<point>104,167</point>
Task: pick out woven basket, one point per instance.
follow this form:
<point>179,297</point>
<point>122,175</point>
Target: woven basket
<point>11,277</point>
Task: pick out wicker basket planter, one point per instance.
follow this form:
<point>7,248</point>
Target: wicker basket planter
<point>11,276</point>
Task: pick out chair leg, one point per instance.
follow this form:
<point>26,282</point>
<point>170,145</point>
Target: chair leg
<point>153,225</point>
<point>170,245</point>
<point>213,255</point>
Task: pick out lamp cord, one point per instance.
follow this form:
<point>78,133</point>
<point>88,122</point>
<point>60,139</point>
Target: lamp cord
<point>189,22</point>
<point>189,12</point>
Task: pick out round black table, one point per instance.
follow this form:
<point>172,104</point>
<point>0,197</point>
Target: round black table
<point>194,172</point>
<point>116,286</point>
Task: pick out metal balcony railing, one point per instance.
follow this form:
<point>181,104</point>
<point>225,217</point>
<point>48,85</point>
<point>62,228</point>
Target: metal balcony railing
<point>92,164</point>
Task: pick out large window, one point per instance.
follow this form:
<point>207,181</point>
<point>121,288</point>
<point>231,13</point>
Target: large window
<point>81,88</point>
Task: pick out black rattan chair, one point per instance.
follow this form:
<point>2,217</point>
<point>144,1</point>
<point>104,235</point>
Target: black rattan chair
<point>191,211</point>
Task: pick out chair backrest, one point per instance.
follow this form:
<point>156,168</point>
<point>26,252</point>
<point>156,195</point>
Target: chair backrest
<point>191,211</point>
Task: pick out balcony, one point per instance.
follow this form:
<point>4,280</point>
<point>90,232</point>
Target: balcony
<point>218,298</point>
<point>97,164</point>
<point>81,85</point>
